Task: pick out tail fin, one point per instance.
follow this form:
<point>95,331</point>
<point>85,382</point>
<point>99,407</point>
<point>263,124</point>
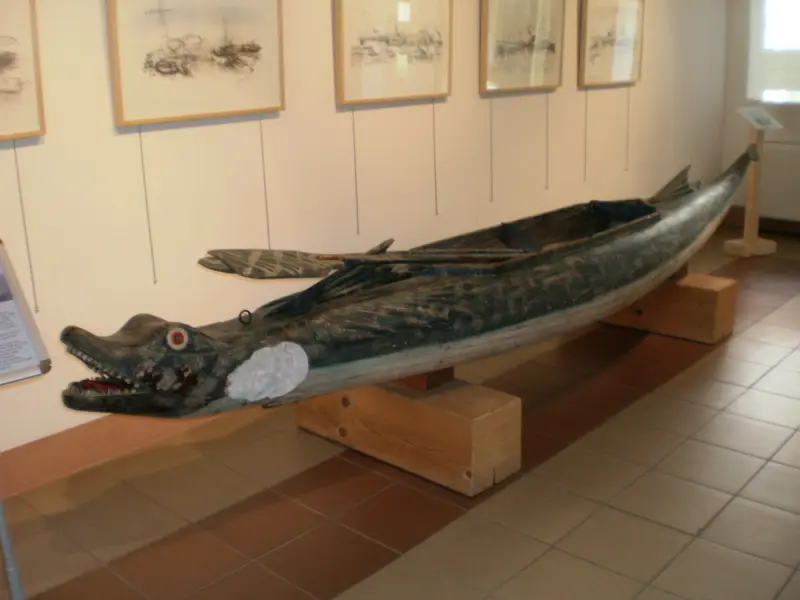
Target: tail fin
<point>676,187</point>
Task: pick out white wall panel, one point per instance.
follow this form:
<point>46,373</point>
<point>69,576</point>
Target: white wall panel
<point>463,136</point>
<point>780,182</point>
<point>519,139</point>
<point>193,211</point>
<point>210,185</point>
<point>82,185</point>
<point>653,118</point>
<point>396,178</point>
<point>686,109</point>
<point>737,42</point>
<point>789,116</point>
<point>313,206</point>
<point>567,125</point>
<point>607,138</point>
<point>464,194</point>
<point>700,90</point>
<point>310,178</point>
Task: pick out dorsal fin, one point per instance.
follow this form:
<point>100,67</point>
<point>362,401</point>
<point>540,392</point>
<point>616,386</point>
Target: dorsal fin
<point>382,247</point>
<point>676,187</point>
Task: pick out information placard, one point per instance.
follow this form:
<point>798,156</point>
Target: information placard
<point>760,118</point>
<point>22,352</point>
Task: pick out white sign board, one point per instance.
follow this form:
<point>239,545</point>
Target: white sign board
<point>22,351</point>
<point>760,118</point>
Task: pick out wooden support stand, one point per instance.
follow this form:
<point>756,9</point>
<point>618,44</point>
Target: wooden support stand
<point>751,244</point>
<point>464,437</point>
<point>695,307</point>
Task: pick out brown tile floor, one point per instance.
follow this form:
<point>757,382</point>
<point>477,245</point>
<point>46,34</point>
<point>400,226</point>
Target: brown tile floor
<point>654,469</point>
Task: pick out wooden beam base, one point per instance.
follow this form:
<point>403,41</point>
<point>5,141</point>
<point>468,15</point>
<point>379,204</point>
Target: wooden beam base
<point>464,437</point>
<point>744,248</point>
<point>696,307</point>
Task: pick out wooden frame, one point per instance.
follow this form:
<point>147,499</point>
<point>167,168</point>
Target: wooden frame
<point>341,53</point>
<point>593,50</point>
<point>213,61</point>
<point>11,122</point>
<point>560,12</point>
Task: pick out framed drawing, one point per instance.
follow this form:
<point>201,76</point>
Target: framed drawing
<point>21,104</point>
<point>392,50</point>
<point>182,60</point>
<point>522,45</point>
<point>611,42</point>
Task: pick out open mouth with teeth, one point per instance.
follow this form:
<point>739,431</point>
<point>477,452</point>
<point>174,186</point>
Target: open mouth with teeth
<point>147,380</point>
<point>109,381</point>
<point>127,381</point>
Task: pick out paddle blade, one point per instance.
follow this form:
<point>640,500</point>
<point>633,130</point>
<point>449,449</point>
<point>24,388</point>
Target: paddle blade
<point>268,264</point>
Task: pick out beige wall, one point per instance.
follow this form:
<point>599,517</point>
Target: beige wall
<point>780,189</point>
<point>84,187</point>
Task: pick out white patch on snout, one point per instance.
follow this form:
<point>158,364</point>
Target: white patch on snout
<point>270,372</point>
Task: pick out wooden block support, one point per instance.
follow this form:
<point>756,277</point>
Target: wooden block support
<point>696,307</point>
<point>464,437</point>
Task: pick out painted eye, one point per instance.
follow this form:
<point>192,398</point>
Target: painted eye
<point>177,339</point>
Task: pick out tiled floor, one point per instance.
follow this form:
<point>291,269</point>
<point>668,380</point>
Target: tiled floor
<point>654,469</point>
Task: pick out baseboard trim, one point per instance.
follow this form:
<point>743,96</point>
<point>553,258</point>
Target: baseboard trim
<point>735,219</point>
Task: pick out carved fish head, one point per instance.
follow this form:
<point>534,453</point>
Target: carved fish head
<point>152,367</point>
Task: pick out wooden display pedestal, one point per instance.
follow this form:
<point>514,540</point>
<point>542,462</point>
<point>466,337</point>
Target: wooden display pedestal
<point>745,248</point>
<point>694,307</point>
<point>461,436</point>
<point>751,244</point>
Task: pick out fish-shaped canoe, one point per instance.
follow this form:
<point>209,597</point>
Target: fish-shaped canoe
<point>382,315</point>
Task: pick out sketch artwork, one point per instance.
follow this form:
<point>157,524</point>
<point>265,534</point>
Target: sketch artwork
<point>176,60</point>
<point>521,44</point>
<point>187,56</point>
<point>389,50</point>
<point>21,112</point>
<point>380,47</point>
<point>10,84</point>
<point>611,44</point>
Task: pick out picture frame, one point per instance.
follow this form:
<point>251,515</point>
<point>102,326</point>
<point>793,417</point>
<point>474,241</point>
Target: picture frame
<point>522,45</point>
<point>22,115</point>
<point>186,60</point>
<point>611,43</point>
<point>392,51</point>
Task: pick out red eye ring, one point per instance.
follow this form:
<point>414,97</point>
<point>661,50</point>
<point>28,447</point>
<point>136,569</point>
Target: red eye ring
<point>177,339</point>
